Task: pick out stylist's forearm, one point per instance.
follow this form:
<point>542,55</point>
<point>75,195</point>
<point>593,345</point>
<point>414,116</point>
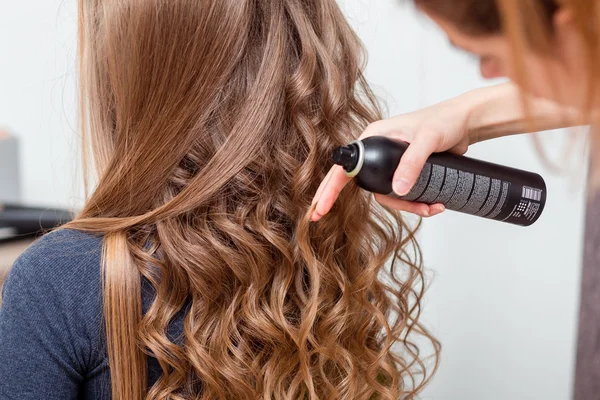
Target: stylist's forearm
<point>499,111</point>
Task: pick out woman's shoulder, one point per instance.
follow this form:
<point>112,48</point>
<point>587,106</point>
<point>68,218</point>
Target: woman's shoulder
<point>62,268</point>
<point>64,255</point>
<point>51,312</point>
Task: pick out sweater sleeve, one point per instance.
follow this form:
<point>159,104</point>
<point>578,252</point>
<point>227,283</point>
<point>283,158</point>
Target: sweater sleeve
<point>50,318</point>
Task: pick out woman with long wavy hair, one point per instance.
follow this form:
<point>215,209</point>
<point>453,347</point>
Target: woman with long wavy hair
<point>193,271</point>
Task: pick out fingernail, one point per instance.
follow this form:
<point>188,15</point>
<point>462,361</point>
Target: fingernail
<point>438,209</point>
<point>401,187</point>
<point>425,213</point>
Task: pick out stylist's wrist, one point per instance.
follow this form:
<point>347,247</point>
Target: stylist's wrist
<point>494,111</point>
<point>474,108</point>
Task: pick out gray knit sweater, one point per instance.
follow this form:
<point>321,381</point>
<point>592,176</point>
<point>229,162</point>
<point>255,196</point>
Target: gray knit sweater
<point>52,343</point>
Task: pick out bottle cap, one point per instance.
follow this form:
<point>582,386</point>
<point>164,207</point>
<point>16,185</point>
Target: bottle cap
<point>350,157</point>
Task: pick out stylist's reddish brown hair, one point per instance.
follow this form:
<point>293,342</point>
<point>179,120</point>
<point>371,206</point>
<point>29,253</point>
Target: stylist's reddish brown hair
<point>528,24</point>
<point>211,125</point>
<point>529,27</point>
<point>484,17</point>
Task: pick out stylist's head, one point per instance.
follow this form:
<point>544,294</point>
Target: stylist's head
<point>549,47</point>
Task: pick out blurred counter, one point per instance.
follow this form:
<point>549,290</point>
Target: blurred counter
<point>9,251</point>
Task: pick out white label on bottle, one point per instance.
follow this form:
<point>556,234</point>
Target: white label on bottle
<point>449,186</point>
<point>462,192</point>
<point>500,205</point>
<point>532,193</point>
<point>492,198</point>
<point>525,208</point>
<point>478,195</point>
<point>421,184</point>
<point>531,210</point>
<point>435,184</point>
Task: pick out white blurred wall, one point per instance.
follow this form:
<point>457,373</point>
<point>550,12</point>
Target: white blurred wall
<point>503,299</point>
<point>37,96</point>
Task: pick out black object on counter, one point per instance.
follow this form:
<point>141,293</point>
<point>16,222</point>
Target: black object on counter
<point>461,183</point>
<point>24,221</point>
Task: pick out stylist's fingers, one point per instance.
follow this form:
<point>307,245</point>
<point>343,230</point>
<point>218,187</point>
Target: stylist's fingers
<point>322,186</point>
<point>412,163</point>
<point>329,191</point>
<point>424,210</point>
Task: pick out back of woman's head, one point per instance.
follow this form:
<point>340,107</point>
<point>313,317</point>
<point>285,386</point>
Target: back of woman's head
<point>211,124</point>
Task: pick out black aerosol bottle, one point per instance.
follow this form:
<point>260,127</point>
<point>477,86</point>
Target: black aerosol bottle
<point>460,183</point>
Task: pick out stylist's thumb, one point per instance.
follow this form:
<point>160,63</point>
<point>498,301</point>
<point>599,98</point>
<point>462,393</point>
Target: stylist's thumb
<point>412,163</point>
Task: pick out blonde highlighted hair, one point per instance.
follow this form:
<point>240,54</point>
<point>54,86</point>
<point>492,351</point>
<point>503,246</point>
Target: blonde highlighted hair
<point>211,125</point>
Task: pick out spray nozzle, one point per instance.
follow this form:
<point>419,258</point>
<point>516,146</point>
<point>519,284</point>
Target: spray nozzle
<point>346,156</point>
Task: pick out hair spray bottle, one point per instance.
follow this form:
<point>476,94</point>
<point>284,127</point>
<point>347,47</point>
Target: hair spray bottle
<point>460,183</point>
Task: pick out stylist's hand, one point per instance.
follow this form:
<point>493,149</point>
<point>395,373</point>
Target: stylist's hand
<point>438,128</point>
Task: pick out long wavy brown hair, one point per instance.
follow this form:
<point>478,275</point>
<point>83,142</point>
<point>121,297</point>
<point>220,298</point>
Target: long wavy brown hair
<point>212,124</point>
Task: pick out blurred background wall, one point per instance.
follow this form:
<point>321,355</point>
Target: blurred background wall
<point>503,300</point>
